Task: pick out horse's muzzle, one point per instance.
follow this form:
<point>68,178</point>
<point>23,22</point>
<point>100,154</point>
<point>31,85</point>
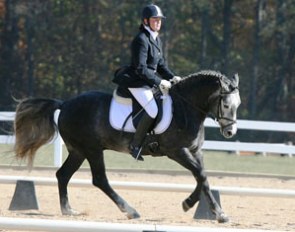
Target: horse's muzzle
<point>229,130</point>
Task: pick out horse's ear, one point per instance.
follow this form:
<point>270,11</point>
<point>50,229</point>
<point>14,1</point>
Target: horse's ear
<point>236,80</point>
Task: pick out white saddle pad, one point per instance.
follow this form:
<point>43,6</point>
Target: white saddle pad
<point>121,108</point>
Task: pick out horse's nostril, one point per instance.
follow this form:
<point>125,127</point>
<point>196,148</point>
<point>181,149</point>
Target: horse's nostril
<point>228,133</point>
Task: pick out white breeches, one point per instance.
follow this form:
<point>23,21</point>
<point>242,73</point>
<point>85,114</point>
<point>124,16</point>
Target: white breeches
<point>144,96</point>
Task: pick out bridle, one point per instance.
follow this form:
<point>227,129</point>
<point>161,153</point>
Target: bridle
<point>220,113</point>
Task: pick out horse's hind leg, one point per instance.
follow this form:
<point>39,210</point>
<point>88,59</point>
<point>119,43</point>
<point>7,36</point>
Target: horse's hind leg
<point>100,180</point>
<point>64,174</point>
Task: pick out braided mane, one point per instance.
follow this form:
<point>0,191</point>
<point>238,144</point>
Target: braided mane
<point>224,81</point>
<point>206,74</point>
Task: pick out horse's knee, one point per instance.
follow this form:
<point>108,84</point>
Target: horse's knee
<point>202,176</point>
<point>206,187</point>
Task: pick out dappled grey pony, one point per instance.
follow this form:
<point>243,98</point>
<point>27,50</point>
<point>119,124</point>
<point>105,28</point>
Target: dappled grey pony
<point>85,128</point>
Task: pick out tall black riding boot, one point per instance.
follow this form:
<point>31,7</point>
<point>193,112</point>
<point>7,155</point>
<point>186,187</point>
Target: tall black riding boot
<point>141,131</point>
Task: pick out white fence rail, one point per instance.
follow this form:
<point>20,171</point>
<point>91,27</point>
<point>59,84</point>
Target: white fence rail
<point>288,149</point>
<point>28,224</point>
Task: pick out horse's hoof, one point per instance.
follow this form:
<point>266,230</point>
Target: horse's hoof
<point>71,212</point>
<point>133,215</point>
<point>222,218</point>
<point>185,206</point>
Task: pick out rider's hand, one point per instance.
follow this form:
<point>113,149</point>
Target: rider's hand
<point>165,86</point>
<point>176,79</point>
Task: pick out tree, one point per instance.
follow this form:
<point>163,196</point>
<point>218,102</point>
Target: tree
<point>10,61</point>
<point>259,11</point>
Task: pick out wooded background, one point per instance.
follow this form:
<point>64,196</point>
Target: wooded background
<point>60,48</point>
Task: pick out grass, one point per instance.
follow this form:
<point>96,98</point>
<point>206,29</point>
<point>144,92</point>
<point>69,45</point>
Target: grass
<point>217,161</point>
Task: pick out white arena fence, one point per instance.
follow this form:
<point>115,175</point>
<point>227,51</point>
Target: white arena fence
<point>26,224</point>
<point>287,149</point>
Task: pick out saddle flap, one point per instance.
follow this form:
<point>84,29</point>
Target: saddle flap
<point>121,109</point>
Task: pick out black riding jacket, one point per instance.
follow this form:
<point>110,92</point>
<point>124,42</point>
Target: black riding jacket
<point>147,59</point>
<point>148,65</point>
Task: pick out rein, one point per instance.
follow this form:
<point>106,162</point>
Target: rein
<point>192,106</point>
<point>219,113</point>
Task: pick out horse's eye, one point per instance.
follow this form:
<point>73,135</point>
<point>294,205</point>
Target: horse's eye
<point>226,106</point>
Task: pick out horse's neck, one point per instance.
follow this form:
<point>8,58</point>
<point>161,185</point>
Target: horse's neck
<point>194,99</point>
<point>187,109</point>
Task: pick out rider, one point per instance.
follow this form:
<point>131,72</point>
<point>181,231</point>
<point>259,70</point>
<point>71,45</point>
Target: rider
<point>148,69</point>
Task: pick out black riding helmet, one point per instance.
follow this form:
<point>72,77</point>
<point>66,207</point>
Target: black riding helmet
<point>152,11</point>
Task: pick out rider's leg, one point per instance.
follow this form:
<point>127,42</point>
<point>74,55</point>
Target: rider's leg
<point>143,128</point>
<point>146,99</point>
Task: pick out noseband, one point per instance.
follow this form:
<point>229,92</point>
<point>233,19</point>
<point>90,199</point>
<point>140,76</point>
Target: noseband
<point>220,113</point>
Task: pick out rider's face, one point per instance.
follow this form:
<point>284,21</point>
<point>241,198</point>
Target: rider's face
<point>155,23</point>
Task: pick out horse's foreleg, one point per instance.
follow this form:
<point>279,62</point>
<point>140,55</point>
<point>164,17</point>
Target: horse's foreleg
<point>100,180</point>
<point>194,163</point>
<point>189,202</point>
<point>216,209</point>
<point>187,160</point>
<point>64,174</point>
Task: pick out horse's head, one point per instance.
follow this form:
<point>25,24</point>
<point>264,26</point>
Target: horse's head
<point>228,103</point>
<point>217,96</point>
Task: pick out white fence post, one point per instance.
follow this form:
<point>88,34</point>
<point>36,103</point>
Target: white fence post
<point>238,151</point>
<point>290,144</point>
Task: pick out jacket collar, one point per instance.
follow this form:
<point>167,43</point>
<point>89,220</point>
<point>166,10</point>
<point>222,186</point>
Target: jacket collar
<point>154,34</point>
<point>151,39</point>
